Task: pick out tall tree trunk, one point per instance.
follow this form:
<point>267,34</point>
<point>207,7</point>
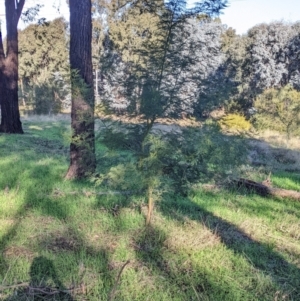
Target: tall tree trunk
<point>82,148</point>
<point>10,115</point>
<point>2,58</point>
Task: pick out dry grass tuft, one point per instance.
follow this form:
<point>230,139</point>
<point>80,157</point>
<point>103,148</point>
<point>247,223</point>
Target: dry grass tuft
<point>275,155</point>
<point>6,223</point>
<point>189,235</point>
<point>100,240</point>
<point>62,243</point>
<point>255,229</point>
<point>279,140</point>
<point>17,251</point>
<point>46,221</point>
<point>57,241</point>
<point>291,230</point>
<point>190,238</point>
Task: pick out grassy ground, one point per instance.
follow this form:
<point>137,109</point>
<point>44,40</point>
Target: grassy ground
<point>63,240</point>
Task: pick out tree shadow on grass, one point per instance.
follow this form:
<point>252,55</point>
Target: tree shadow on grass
<point>50,253</point>
<point>42,273</point>
<point>251,203</point>
<point>274,154</point>
<point>284,275</point>
<point>177,275</point>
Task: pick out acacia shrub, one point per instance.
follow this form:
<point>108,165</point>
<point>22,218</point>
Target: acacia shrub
<point>173,162</point>
<point>235,122</point>
<point>279,109</point>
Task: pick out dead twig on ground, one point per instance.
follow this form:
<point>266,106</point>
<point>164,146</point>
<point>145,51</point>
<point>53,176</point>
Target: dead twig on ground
<point>59,193</point>
<point>38,290</point>
<point>113,291</point>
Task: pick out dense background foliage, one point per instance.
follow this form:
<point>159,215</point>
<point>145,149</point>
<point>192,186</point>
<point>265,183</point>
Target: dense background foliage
<point>152,63</point>
<point>43,67</point>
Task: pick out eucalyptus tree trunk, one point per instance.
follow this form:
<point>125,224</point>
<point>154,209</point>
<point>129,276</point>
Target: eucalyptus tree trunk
<point>2,58</point>
<point>82,147</point>
<point>10,115</point>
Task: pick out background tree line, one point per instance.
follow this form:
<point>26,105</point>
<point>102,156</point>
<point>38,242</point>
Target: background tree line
<point>156,59</point>
<point>44,78</point>
<point>206,64</point>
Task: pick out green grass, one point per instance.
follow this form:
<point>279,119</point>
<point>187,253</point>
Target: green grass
<point>210,245</point>
<point>286,180</point>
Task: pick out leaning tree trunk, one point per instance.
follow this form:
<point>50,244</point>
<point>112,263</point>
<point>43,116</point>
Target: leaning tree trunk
<point>82,148</point>
<point>10,115</point>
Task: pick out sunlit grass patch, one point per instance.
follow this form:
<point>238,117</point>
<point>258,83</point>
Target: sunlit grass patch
<point>34,127</point>
<point>286,180</point>
<point>279,139</point>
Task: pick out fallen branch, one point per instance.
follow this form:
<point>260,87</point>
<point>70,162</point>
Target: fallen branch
<point>34,290</point>
<point>46,291</point>
<point>59,193</point>
<point>23,284</point>
<point>266,190</point>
